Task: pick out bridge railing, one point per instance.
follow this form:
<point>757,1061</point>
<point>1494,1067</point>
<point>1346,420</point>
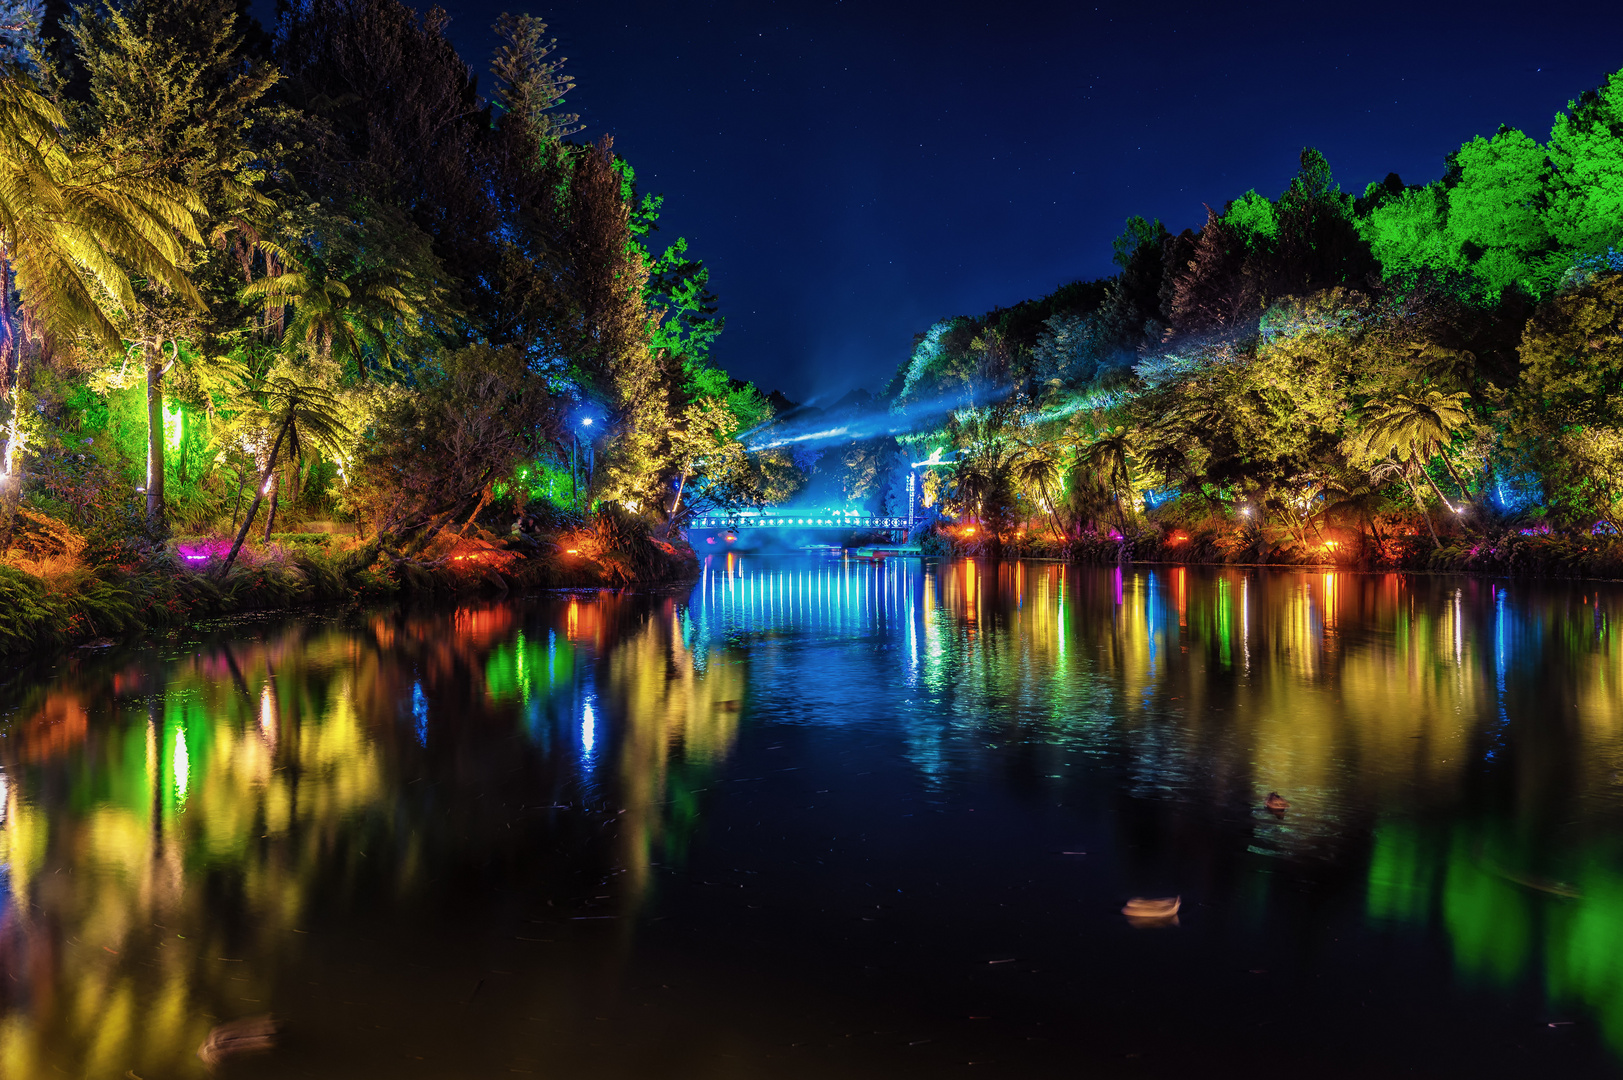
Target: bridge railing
<point>798,521</point>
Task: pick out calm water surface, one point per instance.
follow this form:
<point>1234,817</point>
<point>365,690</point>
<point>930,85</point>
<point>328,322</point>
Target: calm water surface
<point>818,818</point>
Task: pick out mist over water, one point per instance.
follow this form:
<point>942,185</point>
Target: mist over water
<point>822,817</point>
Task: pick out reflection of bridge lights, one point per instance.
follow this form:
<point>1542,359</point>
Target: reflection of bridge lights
<point>588,729</point>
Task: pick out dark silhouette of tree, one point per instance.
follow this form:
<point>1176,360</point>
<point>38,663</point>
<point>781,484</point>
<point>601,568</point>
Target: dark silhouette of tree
<point>1212,290</point>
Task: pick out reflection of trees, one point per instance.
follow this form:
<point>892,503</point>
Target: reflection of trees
<point>408,767</point>
<point>1512,907</point>
<point>677,726</point>
<point>1366,698</point>
<point>1352,691</point>
<point>165,806</point>
<point>171,828</point>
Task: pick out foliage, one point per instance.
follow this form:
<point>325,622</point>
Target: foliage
<point>315,269</point>
<point>1377,380</point>
<point>432,453</point>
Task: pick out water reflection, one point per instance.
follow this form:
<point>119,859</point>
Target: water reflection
<point>192,831</point>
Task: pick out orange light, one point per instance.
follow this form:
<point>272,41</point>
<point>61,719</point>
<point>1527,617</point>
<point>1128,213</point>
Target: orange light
<point>969,530</point>
<point>572,551</point>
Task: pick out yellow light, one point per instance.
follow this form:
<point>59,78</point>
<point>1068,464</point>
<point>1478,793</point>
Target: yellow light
<point>182,764</point>
<point>14,447</point>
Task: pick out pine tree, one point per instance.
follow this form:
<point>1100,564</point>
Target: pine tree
<point>530,85</point>
<point>1211,290</point>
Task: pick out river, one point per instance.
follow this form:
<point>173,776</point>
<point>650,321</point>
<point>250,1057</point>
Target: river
<point>823,817</point>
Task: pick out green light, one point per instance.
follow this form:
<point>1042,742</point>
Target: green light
<point>174,425</point>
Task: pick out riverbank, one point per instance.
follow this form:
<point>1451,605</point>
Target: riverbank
<point>54,594</point>
<point>1510,552</point>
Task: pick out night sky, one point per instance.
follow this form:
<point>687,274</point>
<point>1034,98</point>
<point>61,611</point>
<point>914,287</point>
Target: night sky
<point>852,172</point>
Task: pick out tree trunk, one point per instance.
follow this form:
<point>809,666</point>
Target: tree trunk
<point>1437,490</point>
<point>1421,506</point>
<point>259,496</point>
<point>236,507</point>
<point>270,518</point>
<point>11,491</point>
<point>1465,494</point>
<point>484,501</point>
<point>155,440</point>
<point>8,333</point>
<point>670,523</point>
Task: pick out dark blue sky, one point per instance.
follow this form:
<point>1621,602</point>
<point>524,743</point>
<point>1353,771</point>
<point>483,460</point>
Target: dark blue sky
<point>852,172</point>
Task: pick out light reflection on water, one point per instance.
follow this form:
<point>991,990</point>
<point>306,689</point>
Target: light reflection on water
<point>350,817</point>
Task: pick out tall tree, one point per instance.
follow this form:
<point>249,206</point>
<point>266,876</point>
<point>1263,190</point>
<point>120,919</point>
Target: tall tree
<point>171,95</point>
<point>531,82</point>
<point>612,324</point>
<point>75,226</point>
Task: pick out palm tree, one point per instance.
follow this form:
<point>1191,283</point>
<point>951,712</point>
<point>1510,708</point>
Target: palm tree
<point>1353,494</point>
<point>351,318</point>
<point>300,413</point>
<point>1411,429</point>
<point>1041,468</point>
<point>1389,470</point>
<point>1109,455</point>
<point>1417,427</point>
<point>74,227</point>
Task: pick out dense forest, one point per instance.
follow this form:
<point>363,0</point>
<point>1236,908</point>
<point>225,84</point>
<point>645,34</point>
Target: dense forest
<point>1417,376</point>
<point>299,312</point>
<point>263,290</point>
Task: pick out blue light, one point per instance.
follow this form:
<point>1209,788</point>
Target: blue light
<point>419,713</point>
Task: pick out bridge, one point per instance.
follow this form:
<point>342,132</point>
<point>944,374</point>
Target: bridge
<point>802,520</point>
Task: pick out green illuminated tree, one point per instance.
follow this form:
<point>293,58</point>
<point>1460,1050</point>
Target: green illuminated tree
<point>1042,467</point>
<point>1585,193</point>
<point>1570,403</point>
<point>359,321</point>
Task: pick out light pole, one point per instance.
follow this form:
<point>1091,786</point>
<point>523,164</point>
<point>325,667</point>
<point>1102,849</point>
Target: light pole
<point>574,458</point>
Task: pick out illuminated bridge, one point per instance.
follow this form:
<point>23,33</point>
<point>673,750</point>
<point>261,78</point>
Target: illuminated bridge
<point>803,520</point>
